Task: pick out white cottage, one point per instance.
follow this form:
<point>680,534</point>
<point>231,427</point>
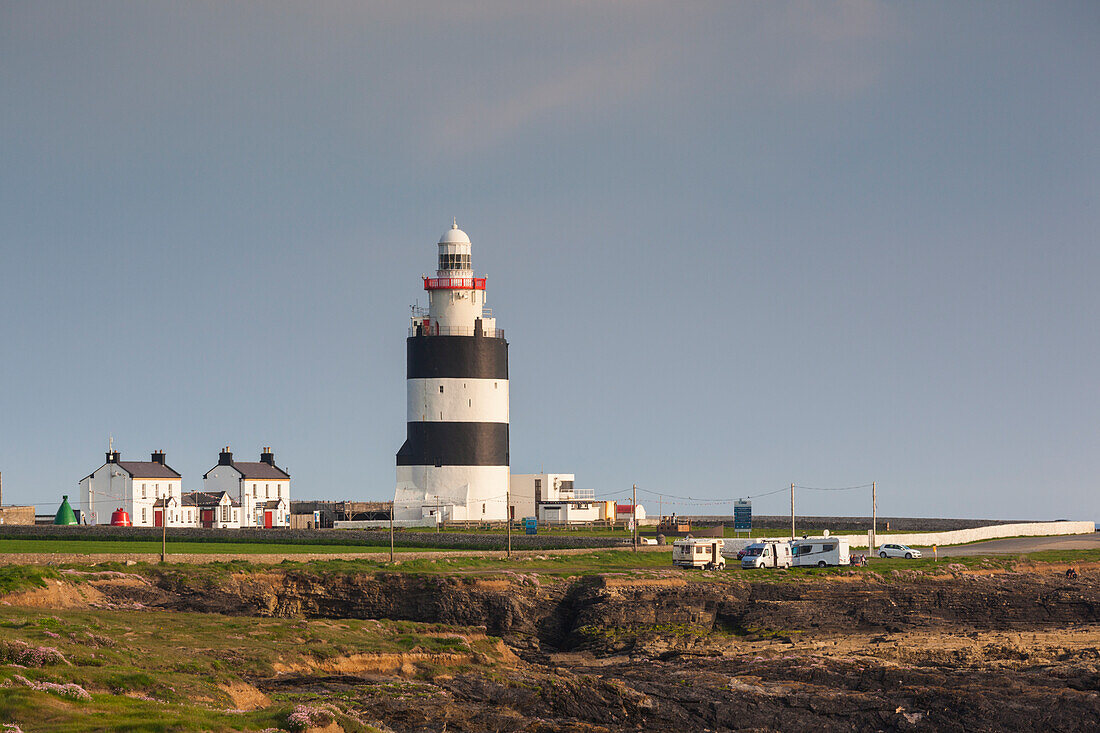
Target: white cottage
<point>261,489</point>
<point>212,510</point>
<point>135,487</point>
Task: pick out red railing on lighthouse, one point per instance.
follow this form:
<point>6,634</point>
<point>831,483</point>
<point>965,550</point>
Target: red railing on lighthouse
<point>454,283</point>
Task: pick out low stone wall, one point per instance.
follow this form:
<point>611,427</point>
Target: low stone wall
<point>838,525</point>
<point>954,537</point>
<point>976,534</point>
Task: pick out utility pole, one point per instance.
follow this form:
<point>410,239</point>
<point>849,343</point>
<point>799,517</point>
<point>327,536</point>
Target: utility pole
<point>508,515</point>
<point>163,530</point>
<point>874,517</point>
<point>792,511</point>
<point>1,488</point>
<point>634,516</point>
<point>392,506</point>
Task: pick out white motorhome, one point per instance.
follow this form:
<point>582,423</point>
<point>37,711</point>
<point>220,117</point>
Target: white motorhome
<point>820,551</point>
<point>703,553</point>
<point>767,554</point>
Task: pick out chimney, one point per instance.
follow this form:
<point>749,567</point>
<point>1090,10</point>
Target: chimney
<point>267,457</point>
<point>225,458</point>
<point>158,457</point>
<point>112,456</point>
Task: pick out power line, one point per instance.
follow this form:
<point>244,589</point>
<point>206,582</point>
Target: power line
<point>834,488</point>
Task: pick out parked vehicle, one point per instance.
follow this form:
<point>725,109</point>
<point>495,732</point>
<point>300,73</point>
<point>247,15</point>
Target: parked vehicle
<point>704,552</point>
<point>890,550</point>
<point>820,551</point>
<point>767,554</point>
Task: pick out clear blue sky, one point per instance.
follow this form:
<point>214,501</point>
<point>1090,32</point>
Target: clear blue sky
<point>733,245</point>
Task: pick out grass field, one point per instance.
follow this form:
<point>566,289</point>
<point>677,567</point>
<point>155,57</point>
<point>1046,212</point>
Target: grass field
<point>172,671</point>
<point>99,547</point>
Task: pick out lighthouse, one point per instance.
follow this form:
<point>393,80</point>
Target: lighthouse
<point>454,463</point>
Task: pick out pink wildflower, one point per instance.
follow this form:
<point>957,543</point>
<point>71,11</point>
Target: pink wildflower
<point>31,656</point>
<point>310,716</point>
<point>70,689</point>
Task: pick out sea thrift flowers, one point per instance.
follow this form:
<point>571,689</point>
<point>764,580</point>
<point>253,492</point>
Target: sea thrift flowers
<point>70,690</point>
<point>310,716</point>
<point>30,656</point>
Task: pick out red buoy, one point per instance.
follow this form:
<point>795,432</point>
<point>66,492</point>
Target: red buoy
<point>120,518</point>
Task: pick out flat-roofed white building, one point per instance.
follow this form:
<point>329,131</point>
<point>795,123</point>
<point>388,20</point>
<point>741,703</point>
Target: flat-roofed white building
<point>552,497</point>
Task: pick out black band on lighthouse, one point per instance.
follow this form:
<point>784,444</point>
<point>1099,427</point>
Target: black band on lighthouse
<point>455,444</point>
<point>456,356</point>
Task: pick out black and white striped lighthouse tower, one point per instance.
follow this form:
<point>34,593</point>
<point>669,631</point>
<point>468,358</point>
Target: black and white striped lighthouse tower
<point>454,462</point>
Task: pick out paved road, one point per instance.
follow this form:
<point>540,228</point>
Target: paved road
<point>1020,545</point>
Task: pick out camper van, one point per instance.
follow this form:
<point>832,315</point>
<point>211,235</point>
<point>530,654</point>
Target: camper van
<point>820,551</point>
<point>767,554</point>
<point>703,553</point>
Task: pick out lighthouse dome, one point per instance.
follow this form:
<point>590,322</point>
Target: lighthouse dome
<point>454,235</point>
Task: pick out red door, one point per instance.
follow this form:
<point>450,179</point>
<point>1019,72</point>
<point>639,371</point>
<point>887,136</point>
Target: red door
<point>158,518</point>
<point>208,518</point>
<point>267,520</point>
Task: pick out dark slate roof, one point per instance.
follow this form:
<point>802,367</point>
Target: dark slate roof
<point>256,471</point>
<point>160,502</point>
<point>205,498</point>
<point>260,470</point>
<point>147,469</point>
<point>273,504</point>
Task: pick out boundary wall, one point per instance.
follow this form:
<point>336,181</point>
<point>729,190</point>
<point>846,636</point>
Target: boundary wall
<point>954,537</point>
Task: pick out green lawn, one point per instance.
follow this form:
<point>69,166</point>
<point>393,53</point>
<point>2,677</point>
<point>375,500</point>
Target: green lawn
<point>185,548</point>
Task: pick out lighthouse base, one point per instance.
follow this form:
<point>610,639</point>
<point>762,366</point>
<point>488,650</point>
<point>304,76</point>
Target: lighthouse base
<point>453,493</point>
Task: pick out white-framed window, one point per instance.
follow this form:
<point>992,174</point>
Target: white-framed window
<point>267,491</point>
<point>143,491</point>
<point>144,516</point>
<point>225,513</point>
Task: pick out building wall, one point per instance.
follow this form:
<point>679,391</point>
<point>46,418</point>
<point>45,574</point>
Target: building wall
<point>522,487</point>
<point>255,493</point>
<point>110,488</point>
<point>223,478</point>
<point>461,400</point>
<point>17,515</point>
<point>420,489</point>
<point>455,310</point>
<point>567,512</point>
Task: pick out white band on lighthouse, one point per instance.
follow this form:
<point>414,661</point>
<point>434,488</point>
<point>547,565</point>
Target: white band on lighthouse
<point>454,462</point>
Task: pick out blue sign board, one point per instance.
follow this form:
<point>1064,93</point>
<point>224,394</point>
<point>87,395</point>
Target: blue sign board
<point>742,515</point>
<point>531,525</point>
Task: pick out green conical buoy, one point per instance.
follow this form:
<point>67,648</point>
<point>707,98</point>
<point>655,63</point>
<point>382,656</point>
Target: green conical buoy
<point>65,512</point>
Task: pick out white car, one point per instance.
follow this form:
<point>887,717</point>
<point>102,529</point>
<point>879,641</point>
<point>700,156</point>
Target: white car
<point>898,551</point>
